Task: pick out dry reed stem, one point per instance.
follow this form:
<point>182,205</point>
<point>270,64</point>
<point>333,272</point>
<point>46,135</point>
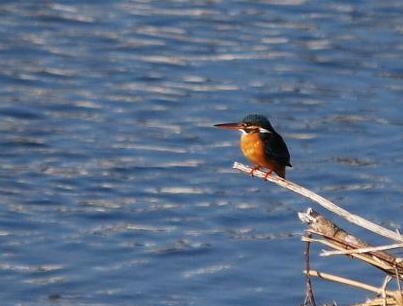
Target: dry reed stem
<point>309,296</point>
<point>355,219</point>
<point>363,250</point>
<point>350,282</point>
<point>370,260</point>
<point>379,302</point>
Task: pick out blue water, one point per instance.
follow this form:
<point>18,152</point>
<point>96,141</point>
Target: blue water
<point>116,190</point>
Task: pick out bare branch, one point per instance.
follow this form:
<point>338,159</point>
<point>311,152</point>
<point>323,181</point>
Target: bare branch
<point>363,250</point>
<point>324,203</point>
<point>339,239</point>
<point>350,282</point>
<point>309,296</point>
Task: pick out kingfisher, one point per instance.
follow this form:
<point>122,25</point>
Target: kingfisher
<point>261,144</point>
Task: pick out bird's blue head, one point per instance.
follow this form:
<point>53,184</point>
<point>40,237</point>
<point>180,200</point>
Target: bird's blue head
<point>252,123</point>
<point>258,121</point>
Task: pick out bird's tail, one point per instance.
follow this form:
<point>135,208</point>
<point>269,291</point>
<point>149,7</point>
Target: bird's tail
<point>280,171</point>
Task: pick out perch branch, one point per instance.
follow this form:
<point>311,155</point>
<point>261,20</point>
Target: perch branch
<point>324,203</point>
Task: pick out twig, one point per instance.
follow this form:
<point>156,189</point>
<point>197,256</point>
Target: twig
<point>362,250</point>
<point>376,262</point>
<point>323,202</point>
<point>350,282</point>
<point>379,302</point>
<point>387,280</point>
<point>397,278</point>
<point>309,297</point>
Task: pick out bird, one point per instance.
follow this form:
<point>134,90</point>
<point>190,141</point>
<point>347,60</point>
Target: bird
<point>261,144</point>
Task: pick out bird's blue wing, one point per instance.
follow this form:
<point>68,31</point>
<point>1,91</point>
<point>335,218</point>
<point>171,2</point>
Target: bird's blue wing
<point>275,148</point>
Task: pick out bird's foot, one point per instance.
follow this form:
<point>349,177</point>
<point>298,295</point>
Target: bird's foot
<point>253,170</point>
<point>267,174</point>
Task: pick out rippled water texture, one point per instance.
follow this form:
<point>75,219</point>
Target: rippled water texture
<point>116,190</point>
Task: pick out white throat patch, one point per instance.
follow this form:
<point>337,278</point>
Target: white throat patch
<point>262,130</point>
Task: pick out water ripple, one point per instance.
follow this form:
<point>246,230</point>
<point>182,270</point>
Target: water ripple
<point>116,189</point>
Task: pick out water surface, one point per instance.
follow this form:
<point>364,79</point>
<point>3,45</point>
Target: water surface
<point>115,188</point>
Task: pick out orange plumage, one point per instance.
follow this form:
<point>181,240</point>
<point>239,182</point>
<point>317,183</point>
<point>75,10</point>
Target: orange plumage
<point>253,148</point>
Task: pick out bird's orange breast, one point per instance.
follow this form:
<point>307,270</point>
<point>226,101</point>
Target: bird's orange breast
<point>252,147</point>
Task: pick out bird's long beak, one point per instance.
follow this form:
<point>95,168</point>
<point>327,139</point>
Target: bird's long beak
<point>229,126</point>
